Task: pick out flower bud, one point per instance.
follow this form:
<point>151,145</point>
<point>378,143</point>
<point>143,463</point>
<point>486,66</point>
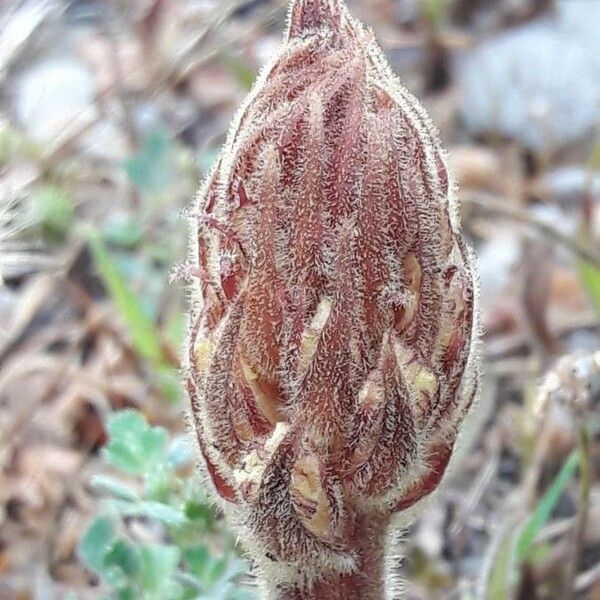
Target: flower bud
<point>331,357</point>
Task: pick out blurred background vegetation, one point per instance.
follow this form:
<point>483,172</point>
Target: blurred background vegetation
<point>111,112</point>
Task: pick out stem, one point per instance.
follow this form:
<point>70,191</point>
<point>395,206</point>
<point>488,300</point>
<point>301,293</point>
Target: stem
<point>585,482</point>
<point>366,583</point>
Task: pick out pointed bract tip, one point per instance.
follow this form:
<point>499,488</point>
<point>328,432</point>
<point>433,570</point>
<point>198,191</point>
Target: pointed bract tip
<point>308,16</point>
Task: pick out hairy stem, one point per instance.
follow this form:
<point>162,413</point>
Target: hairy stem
<point>367,582</point>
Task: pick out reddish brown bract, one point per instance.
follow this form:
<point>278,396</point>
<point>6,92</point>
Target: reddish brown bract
<point>330,356</point>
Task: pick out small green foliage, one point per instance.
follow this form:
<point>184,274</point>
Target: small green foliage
<point>178,564</point>
<point>518,546</point>
<point>134,446</point>
<point>133,252</point>
<point>145,336</point>
<point>176,329</point>
<point>208,160</point>
<point>151,169</point>
<point>434,11</point>
<point>546,506</point>
<point>53,210</point>
<point>504,575</point>
<point>593,163</point>
<point>159,564</point>
<point>432,573</point>
<point>124,555</point>
<point>539,553</point>
<point>123,231</point>
<point>240,70</point>
<point>97,541</point>
<point>149,509</point>
<point>169,382</point>
<point>197,511</point>
<point>208,569</point>
<point>109,485</point>
<point>14,144</point>
<point>143,333</point>
<point>590,275</point>
<point>179,452</point>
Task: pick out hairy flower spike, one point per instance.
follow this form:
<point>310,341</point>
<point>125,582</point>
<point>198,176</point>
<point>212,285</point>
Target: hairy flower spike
<point>331,358</point>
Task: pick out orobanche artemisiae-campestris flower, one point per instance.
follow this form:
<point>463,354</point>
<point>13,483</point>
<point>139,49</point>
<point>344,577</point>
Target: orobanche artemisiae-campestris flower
<point>331,348</point>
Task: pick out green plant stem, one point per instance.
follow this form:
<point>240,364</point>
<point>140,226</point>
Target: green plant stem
<point>585,484</point>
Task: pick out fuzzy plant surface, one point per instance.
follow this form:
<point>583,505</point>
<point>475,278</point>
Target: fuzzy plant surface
<point>332,341</point>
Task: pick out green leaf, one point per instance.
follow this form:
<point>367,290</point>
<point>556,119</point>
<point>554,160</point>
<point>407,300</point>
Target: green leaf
<point>546,506</point>
<point>198,559</point>
<point>148,509</point>
<point>54,211</point>
<point>590,275</point>
<point>122,456</point>
<point>434,11</point>
<point>217,570</point>
<point>159,484</point>
<point>104,483</point>
<point>244,75</point>
<point>539,553</point>
<point>208,159</point>
<point>176,329</point>
<point>212,571</point>
<point>14,144</point>
<point>241,594</point>
<point>594,159</point>
<point>504,574</point>
<point>143,332</point>
<point>134,446</point>
<point>169,383</point>
<point>161,512</point>
<point>518,543</point>
<point>125,556</point>
<point>127,593</point>
<point>96,542</point>
<point>122,230</point>
<point>196,511</point>
<point>151,170</point>
<point>158,566</point>
<point>180,452</point>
